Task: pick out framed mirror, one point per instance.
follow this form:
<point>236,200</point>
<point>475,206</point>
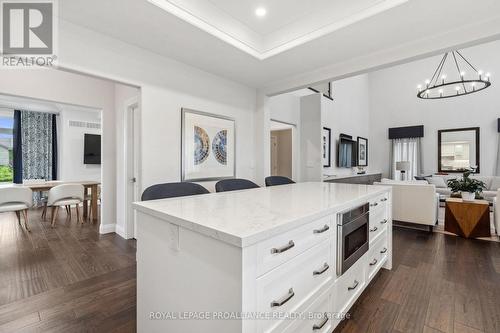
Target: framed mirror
<point>458,150</point>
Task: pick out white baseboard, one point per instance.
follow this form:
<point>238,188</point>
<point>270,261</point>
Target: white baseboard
<point>120,231</point>
<point>107,228</point>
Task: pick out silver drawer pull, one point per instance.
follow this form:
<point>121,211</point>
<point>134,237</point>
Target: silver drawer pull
<point>323,323</point>
<point>322,230</point>
<point>356,283</point>
<point>283,248</point>
<point>383,222</point>
<point>374,262</point>
<point>285,299</point>
<point>384,250</point>
<point>383,200</point>
<point>322,270</point>
<point>375,204</point>
<point>374,229</point>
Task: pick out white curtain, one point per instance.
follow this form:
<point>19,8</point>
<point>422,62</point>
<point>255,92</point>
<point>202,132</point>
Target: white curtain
<point>406,150</point>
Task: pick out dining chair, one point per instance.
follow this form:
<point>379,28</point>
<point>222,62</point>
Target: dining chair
<point>278,180</point>
<point>65,195</point>
<point>18,200</point>
<point>88,202</point>
<point>172,190</point>
<point>234,185</point>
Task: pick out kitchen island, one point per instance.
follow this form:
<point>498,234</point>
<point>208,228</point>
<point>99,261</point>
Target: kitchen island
<point>261,260</point>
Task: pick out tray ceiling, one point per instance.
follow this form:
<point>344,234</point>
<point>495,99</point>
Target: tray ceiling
<point>287,24</point>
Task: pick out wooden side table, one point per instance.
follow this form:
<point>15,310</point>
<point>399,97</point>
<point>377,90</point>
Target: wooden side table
<point>467,218</point>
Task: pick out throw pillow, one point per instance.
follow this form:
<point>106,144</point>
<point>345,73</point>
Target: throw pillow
<point>437,181</point>
<point>495,184</point>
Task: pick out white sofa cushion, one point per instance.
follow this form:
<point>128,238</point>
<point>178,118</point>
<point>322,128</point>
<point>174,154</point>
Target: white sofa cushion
<point>485,179</point>
<point>495,183</point>
<point>414,202</point>
<point>439,182</point>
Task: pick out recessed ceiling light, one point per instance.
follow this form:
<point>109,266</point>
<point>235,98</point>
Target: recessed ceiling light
<point>261,12</point>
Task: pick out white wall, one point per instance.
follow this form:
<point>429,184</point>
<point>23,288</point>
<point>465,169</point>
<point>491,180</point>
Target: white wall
<point>394,103</point>
<point>310,128</point>
<point>348,113</point>
<point>71,144</point>
<point>64,87</point>
<point>166,87</point>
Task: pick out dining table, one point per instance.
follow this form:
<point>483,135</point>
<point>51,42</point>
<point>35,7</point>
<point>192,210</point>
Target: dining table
<point>44,186</point>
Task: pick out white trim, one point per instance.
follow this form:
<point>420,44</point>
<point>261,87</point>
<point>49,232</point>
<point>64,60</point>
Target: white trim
<point>263,51</point>
<point>134,102</point>
<point>120,231</point>
<point>107,228</point>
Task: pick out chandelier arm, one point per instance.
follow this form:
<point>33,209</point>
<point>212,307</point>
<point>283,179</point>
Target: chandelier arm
<point>459,71</point>
<point>437,69</point>
<point>441,68</point>
<point>467,61</point>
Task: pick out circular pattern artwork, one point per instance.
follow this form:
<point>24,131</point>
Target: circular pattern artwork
<point>201,145</point>
<point>219,147</point>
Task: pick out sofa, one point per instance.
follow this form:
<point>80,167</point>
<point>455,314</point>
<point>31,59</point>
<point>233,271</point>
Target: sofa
<point>440,181</point>
<point>415,202</point>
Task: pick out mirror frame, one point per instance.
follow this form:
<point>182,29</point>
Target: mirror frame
<point>476,129</point>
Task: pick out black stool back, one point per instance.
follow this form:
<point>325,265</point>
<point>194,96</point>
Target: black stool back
<point>234,185</point>
<point>278,180</point>
<point>172,190</point>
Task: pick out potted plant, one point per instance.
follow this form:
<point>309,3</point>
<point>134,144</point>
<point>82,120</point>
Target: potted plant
<point>467,186</point>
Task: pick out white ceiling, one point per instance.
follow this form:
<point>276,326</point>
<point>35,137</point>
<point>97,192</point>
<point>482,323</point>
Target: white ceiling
<point>288,23</point>
<point>428,24</point>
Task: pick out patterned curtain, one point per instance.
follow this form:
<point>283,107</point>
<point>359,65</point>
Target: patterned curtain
<point>39,146</point>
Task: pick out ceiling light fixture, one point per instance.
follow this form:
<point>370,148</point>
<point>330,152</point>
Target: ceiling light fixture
<point>438,87</point>
<point>260,12</point>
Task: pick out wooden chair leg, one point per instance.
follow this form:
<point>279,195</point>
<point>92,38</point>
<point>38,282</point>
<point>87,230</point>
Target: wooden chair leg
<point>25,213</point>
<point>68,211</point>
<point>90,212</point>
<point>55,210</point>
<point>18,214</point>
<point>44,212</point>
<point>78,214</point>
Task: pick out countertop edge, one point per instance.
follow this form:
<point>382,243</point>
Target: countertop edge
<point>245,241</point>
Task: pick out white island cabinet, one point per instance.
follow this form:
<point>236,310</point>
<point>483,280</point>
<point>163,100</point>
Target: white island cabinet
<point>259,260</point>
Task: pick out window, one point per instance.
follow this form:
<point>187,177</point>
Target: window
<point>6,144</point>
<point>406,150</point>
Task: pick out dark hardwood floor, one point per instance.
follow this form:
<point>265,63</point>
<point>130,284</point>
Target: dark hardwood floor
<point>71,279</point>
<point>67,279</point>
<point>439,283</point>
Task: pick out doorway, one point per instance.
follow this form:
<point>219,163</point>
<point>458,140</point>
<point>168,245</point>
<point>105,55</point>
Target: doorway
<point>281,149</point>
<point>132,154</point>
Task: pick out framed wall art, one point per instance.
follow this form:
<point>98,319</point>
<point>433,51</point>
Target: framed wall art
<point>326,142</point>
<point>208,146</point>
<point>362,152</point>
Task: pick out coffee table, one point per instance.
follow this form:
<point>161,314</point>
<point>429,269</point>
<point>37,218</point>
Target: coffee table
<point>467,219</point>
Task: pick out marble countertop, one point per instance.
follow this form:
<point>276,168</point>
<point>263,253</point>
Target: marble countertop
<point>333,177</point>
<point>243,218</point>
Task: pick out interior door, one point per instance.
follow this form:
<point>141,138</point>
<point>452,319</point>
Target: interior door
<point>274,155</point>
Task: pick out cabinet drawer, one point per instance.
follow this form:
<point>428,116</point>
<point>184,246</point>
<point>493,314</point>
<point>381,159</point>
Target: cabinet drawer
<point>277,250</point>
<point>376,257</point>
<point>378,225</point>
<point>379,203</point>
<point>349,286</point>
<point>287,287</point>
<point>316,318</point>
